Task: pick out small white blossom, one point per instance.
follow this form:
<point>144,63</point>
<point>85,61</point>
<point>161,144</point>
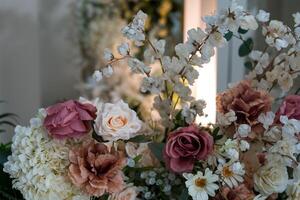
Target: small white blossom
<point>152,84</point>
<point>135,30</point>
<point>196,35</point>
<point>244,130</point>
<point>35,122</point>
<point>244,145</point>
<point>123,49</point>
<point>138,66</point>
<point>233,154</point>
<point>266,119</point>
<point>297,18</point>
<point>285,81</point>
<point>107,71</point>
<point>290,126</point>
<point>263,16</point>
<point>97,75</point>
<point>227,118</point>
<point>107,55</point>
<point>248,22</point>
<point>184,50</point>
<point>188,114</point>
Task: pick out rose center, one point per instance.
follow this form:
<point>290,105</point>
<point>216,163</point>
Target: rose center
<point>227,172</point>
<point>200,182</point>
<point>116,122</point>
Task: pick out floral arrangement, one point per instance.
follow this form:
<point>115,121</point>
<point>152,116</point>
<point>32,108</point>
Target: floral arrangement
<point>91,149</point>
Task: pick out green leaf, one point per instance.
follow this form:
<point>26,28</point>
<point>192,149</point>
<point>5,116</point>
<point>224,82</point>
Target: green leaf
<point>6,122</point>
<point>242,31</point>
<point>248,65</point>
<point>139,139</point>
<point>179,120</point>
<point>228,35</point>
<point>246,47</point>
<point>157,150</point>
<point>215,134</point>
<point>184,194</point>
<point>8,115</point>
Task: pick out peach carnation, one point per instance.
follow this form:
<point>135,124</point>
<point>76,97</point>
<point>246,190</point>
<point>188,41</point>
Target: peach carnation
<point>96,170</point>
<point>247,102</point>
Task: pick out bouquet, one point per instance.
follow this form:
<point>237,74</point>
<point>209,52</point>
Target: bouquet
<point>92,149</point>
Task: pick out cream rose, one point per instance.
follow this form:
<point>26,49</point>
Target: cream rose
<point>271,178</point>
<point>128,193</point>
<point>117,121</point>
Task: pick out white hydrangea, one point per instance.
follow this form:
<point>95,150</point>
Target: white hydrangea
<point>38,164</point>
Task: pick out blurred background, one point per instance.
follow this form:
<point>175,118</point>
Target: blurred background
<point>49,49</point>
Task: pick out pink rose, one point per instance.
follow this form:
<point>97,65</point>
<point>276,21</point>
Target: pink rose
<point>69,119</point>
<point>186,145</point>
<point>290,107</point>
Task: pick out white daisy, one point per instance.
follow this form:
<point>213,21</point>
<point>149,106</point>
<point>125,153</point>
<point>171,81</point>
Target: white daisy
<point>201,186</point>
<point>232,174</point>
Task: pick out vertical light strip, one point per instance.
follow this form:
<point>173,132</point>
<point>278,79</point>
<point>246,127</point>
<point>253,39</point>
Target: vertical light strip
<point>206,86</point>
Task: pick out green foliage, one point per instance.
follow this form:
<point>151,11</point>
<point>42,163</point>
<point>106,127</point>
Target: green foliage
<point>228,35</point>
<point>216,135</point>
<point>157,150</point>
<point>179,120</point>
<point>184,195</point>
<point>246,47</point>
<point>242,31</point>
<point>248,65</point>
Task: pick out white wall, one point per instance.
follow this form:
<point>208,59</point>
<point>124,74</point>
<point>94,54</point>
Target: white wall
<point>36,53</point>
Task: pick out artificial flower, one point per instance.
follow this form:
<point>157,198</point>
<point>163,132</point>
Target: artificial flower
<point>69,119</point>
<point>117,121</point>
<point>246,102</point>
<point>96,169</point>
<point>185,146</point>
<point>241,192</point>
<point>201,186</point>
<point>39,163</point>
<point>232,174</point>
<point>271,178</point>
<point>290,107</point>
<point>263,16</point>
<point>129,193</point>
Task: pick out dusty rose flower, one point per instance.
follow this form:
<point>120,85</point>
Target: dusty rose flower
<point>69,119</point>
<point>128,193</point>
<point>245,101</point>
<point>241,192</point>
<point>290,107</point>
<point>96,170</point>
<point>186,145</point>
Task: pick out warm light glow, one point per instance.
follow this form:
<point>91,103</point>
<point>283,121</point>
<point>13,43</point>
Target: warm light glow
<point>206,86</point>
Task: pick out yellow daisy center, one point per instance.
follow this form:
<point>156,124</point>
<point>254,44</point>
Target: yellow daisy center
<point>200,182</point>
<point>227,172</point>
